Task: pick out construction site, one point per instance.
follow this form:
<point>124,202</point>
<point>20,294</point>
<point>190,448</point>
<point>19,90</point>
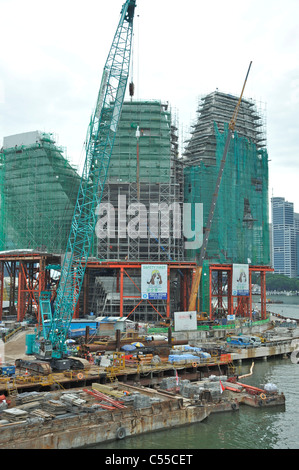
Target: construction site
<point>37,208</point>
<point>115,284</point>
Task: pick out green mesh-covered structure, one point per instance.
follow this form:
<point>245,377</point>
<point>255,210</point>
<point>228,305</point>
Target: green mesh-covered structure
<point>154,121</point>
<point>38,190</point>
<point>240,228</point>
<point>158,182</point>
<point>158,179</point>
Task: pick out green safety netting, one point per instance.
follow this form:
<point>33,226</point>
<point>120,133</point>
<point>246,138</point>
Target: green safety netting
<point>240,228</point>
<point>154,123</point>
<point>38,190</point>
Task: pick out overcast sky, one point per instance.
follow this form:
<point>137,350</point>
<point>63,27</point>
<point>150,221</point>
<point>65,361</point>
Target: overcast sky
<point>52,55</point>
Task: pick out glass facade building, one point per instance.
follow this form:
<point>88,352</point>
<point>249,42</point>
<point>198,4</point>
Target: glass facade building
<point>285,237</point>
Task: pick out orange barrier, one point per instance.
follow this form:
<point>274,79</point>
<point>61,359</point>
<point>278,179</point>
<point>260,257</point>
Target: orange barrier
<point>225,357</point>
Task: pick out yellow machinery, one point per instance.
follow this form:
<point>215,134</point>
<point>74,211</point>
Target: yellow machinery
<point>118,363</point>
<point>202,316</point>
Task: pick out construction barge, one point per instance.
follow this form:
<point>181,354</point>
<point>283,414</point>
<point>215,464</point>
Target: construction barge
<point>126,397</point>
<point>101,413</point>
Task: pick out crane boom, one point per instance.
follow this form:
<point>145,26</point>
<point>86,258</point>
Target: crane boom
<point>99,144</point>
<point>198,269</point>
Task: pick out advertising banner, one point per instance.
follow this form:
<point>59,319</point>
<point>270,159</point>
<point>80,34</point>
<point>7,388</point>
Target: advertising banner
<point>231,317</point>
<point>240,279</point>
<point>154,281</point>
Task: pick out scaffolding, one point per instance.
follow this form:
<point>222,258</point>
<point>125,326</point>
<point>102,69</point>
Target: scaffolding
<point>114,289</point>
<point>38,191</point>
<point>37,212</point>
<point>110,288</point>
<point>145,180</point>
<point>23,276</point>
<point>240,229</point>
<point>143,170</point>
<point>219,108</point>
<point>223,302</point>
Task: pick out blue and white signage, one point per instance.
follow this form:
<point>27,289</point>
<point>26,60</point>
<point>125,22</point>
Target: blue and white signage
<point>154,281</point>
<point>240,279</point>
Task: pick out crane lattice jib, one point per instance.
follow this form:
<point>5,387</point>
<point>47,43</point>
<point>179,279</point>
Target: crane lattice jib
<point>99,145</point>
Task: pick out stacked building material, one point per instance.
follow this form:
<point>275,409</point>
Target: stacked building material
<point>55,407</point>
<point>72,399</point>
<point>14,415</point>
<point>139,400</point>
<point>183,359</point>
<point>42,414</point>
<point>27,397</point>
<point>169,383</point>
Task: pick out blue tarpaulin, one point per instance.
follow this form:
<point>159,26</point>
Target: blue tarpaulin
<point>128,347</point>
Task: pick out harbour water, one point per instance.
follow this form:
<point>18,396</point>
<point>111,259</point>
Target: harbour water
<point>248,428</point>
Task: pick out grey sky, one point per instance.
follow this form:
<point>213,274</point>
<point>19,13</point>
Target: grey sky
<point>53,53</point>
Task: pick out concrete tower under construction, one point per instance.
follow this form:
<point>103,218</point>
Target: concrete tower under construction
<point>139,218</point>
<point>145,178</point>
<point>38,191</point>
<point>240,229</point>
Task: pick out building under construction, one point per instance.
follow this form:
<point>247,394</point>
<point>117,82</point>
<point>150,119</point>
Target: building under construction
<point>38,191</point>
<point>240,228</point>
<point>145,177</point>
<point>136,218</point>
<point>139,218</point>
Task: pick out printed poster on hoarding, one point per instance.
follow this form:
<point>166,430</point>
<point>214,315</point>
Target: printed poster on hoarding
<point>154,281</point>
<point>240,279</point>
<point>185,321</point>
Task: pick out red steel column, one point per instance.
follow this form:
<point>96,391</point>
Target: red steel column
<point>250,294</point>
<point>1,288</point>
<point>168,292</point>
<point>230,299</point>
<point>211,290</point>
<point>121,292</point>
<point>263,295</point>
<point>21,293</point>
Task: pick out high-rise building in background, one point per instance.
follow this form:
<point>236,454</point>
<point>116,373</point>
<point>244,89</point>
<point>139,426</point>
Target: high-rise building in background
<point>296,219</point>
<point>285,237</point>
